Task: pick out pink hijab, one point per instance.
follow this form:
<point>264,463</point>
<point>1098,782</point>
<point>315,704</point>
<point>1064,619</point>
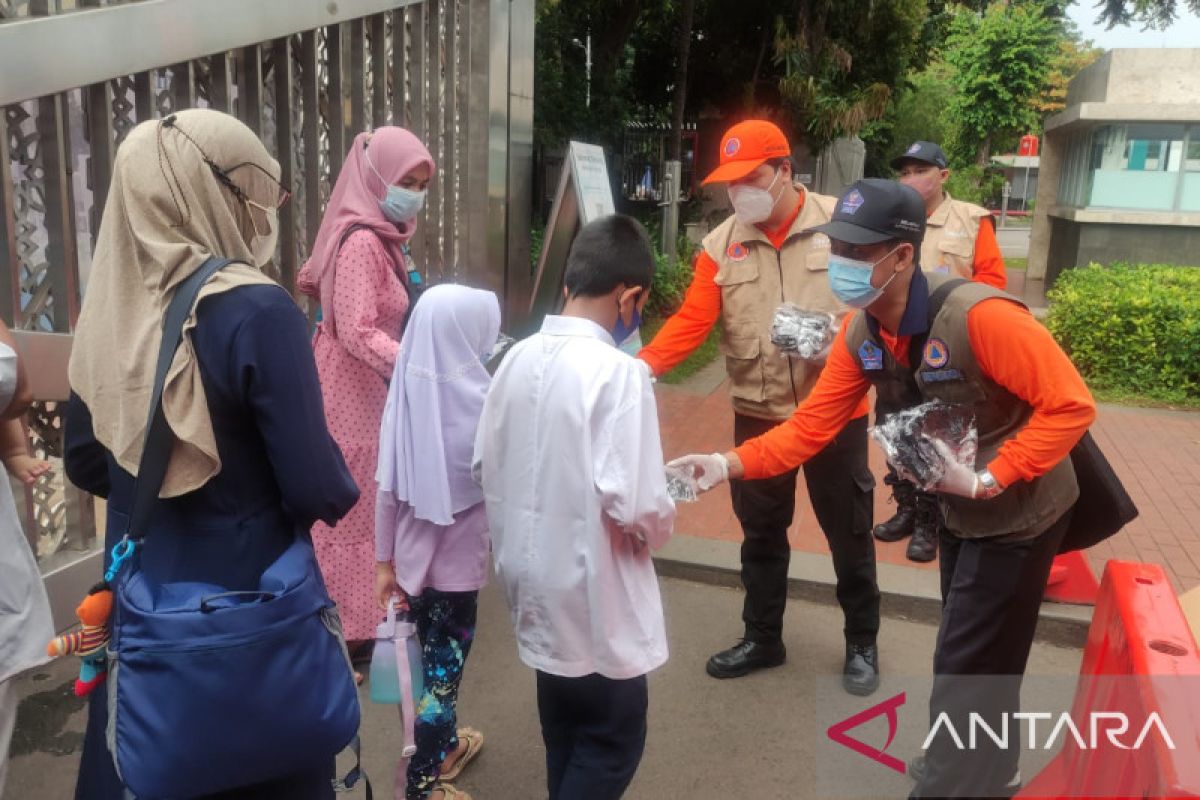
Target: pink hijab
<point>395,152</point>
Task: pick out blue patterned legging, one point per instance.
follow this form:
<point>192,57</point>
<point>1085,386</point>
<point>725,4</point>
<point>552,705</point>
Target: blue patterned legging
<point>446,627</point>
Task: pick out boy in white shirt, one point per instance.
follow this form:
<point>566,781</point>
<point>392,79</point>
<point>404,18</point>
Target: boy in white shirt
<point>570,460</point>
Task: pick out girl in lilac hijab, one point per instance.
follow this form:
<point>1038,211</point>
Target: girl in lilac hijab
<point>431,534</point>
<point>359,273</point>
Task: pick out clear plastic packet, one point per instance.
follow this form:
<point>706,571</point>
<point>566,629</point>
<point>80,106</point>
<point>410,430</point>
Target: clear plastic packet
<point>907,440</point>
<point>681,485</point>
<point>802,334</point>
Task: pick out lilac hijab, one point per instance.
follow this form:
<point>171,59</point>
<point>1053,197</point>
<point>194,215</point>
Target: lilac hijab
<point>395,152</point>
<point>435,400</point>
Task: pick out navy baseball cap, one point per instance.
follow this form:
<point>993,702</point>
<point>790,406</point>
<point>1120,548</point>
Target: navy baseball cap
<point>875,210</point>
<point>928,152</point>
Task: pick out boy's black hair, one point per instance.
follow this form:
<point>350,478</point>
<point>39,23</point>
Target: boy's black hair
<point>606,253</point>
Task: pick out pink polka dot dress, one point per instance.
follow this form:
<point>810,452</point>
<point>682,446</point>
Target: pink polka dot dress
<point>355,363</point>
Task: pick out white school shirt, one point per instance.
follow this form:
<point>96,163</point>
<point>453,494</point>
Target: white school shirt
<point>570,460</point>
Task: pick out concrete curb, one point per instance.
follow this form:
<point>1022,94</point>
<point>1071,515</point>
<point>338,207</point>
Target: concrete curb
<point>908,593</point>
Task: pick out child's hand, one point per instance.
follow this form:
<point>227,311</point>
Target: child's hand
<point>386,587</point>
<point>25,468</point>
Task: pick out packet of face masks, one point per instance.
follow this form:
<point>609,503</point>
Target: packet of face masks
<point>681,485</point>
<point>907,439</point>
<point>802,334</point>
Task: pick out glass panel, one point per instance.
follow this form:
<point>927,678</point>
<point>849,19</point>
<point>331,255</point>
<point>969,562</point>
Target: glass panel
<point>1136,166</point>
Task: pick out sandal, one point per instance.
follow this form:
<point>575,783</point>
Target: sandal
<point>474,740</point>
<point>449,792</point>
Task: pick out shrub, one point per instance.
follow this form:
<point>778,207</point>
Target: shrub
<point>672,276</point>
<point>1131,328</point>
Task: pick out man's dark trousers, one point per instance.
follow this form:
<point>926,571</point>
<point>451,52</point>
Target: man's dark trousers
<point>841,488</point>
<point>594,729</point>
<point>991,594</point>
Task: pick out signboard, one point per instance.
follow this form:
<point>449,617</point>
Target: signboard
<point>584,194</point>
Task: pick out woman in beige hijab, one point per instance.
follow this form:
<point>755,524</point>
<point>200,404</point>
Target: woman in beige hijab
<point>253,465</point>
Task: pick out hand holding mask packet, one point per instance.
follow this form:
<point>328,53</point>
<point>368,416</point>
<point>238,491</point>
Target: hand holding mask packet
<point>908,440</point>
<point>802,334</point>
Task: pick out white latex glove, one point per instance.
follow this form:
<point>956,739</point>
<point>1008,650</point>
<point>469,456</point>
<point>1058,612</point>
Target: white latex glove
<point>959,479</point>
<point>709,471</point>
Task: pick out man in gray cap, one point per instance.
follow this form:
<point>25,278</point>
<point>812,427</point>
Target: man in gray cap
<point>922,338</point>
<point>960,240</point>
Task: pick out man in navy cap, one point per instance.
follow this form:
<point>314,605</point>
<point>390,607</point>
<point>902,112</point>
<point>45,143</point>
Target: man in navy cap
<point>922,338</point>
<point>959,240</point>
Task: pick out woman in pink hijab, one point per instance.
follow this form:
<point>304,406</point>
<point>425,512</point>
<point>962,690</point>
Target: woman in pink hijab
<point>359,273</point>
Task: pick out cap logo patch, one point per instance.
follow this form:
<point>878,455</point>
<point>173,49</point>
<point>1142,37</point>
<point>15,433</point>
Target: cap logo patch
<point>915,147</point>
<point>852,202</point>
<point>936,354</point>
<point>737,252</point>
<point>732,146</point>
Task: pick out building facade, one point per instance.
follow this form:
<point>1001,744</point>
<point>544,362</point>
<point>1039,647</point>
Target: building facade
<point>1120,166</point>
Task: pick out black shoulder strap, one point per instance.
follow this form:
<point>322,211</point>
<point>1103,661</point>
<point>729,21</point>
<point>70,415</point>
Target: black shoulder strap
<point>937,299</point>
<point>156,444</point>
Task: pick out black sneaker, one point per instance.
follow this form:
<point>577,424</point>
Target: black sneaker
<point>746,657</point>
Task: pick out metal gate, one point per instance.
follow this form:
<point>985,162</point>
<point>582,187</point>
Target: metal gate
<point>306,75</point>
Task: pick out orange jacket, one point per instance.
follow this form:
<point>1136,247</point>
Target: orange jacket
<point>989,262</point>
<point>1012,348</point>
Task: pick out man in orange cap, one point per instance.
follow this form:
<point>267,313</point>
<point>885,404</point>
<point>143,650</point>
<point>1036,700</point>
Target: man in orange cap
<point>765,254</point>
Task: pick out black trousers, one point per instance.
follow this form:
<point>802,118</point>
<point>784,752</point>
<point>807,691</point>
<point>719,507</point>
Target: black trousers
<point>991,594</point>
<point>595,731</point>
<point>841,487</point>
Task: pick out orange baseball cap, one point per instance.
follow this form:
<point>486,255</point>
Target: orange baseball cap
<point>746,146</point>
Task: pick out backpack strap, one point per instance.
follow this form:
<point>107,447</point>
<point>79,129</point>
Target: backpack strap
<point>157,441</point>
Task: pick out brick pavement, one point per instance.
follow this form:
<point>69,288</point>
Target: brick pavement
<point>1155,452</point>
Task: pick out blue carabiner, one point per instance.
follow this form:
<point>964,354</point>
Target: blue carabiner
<point>120,554</point>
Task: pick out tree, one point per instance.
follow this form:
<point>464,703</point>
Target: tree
<point>1155,14</point>
<point>1001,60</point>
<point>1072,56</point>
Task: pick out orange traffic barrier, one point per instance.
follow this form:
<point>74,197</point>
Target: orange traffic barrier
<point>1072,580</point>
<point>1140,660</point>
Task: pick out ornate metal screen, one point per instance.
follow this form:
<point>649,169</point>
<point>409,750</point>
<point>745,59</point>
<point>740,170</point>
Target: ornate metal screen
<point>458,73</point>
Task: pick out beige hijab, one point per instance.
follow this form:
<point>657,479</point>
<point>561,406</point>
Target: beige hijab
<point>165,215</point>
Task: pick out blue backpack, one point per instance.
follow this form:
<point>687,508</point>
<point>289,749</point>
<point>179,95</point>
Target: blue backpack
<point>210,690</point>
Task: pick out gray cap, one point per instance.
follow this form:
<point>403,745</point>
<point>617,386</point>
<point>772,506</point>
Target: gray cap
<point>875,210</point>
<point>928,152</point>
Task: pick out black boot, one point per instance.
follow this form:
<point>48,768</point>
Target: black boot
<point>902,523</point>
<point>924,544</point>
<point>746,657</point>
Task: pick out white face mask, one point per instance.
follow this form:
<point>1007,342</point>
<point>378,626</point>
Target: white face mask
<point>262,245</point>
<point>751,204</point>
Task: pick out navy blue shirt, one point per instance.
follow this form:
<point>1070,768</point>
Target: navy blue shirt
<point>280,468</point>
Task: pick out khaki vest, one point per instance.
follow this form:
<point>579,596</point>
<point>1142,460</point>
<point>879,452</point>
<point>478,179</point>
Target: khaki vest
<point>948,371</point>
<point>949,244</point>
<point>755,278</point>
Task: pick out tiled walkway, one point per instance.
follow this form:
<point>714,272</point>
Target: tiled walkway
<point>1155,452</point>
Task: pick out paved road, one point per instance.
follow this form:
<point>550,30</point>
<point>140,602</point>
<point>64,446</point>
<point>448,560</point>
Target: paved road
<point>1014,242</point>
<point>761,736</point>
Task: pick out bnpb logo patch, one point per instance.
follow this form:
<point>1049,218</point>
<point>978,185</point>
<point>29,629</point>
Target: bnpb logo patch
<point>737,252</point>
<point>936,354</point>
<point>852,202</point>
<point>732,146</point>
<point>916,146</point>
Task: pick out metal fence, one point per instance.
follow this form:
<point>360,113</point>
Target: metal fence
<point>306,75</point>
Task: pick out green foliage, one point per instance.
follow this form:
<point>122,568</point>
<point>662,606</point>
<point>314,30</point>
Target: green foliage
<point>974,184</point>
<point>701,357</point>
<point>672,276</point>
<point>1131,329</point>
<point>1001,60</point>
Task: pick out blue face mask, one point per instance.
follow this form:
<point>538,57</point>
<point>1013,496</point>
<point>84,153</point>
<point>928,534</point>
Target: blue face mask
<point>398,205</point>
<point>621,331</point>
<point>401,205</point>
<point>850,280</point>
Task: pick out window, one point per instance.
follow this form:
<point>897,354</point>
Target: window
<point>1138,166</point>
